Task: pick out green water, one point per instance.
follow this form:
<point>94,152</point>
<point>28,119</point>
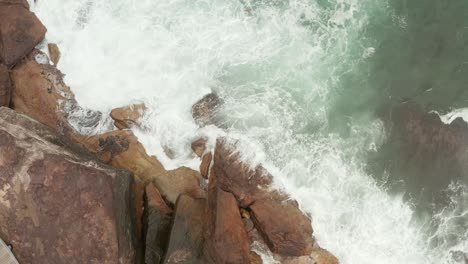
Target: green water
<point>421,54</point>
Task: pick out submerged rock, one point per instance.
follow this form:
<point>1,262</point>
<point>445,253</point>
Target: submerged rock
<point>422,155</point>
<point>204,111</point>
<point>54,53</point>
<point>286,230</point>
<point>5,86</point>
<point>20,31</point>
<point>128,116</point>
<point>57,203</point>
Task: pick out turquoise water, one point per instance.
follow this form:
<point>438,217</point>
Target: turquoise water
<point>303,83</point>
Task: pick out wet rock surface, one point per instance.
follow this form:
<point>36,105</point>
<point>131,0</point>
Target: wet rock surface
<point>57,203</point>
<point>20,31</point>
<point>39,92</point>
<point>226,239</point>
<point>283,226</point>
<point>128,116</point>
<point>186,238</point>
<point>158,218</point>
<point>204,111</point>
<point>5,86</point>
<point>54,53</point>
<point>205,165</point>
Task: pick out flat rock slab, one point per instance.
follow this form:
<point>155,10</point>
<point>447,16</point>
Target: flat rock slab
<point>57,203</point>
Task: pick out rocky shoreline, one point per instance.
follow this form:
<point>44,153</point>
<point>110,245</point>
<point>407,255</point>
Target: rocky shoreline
<point>70,198</point>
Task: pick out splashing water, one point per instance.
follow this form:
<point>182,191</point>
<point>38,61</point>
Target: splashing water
<point>279,67</point>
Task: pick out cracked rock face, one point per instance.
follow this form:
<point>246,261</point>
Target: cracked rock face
<point>57,203</point>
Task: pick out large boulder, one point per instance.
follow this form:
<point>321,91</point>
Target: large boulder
<point>20,31</point>
<point>122,149</point>
<point>5,86</point>
<point>39,92</point>
<point>282,224</point>
<point>158,218</point>
<point>226,239</point>
<point>58,204</point>
<point>186,238</point>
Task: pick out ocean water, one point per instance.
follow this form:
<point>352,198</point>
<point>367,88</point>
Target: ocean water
<point>301,82</point>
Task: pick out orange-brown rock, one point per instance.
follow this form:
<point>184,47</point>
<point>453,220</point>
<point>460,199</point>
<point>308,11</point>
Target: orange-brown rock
<point>128,116</point>
<point>23,3</point>
<point>318,256</point>
<point>199,146</point>
<point>54,53</point>
<point>255,258</point>
<point>39,92</point>
<point>186,238</point>
<point>20,31</point>
<point>122,149</point>
<point>182,180</point>
<point>5,86</point>
<point>286,230</point>
<point>226,240</point>
<point>204,111</point>
<point>205,165</point>
<point>58,204</point>
<point>157,225</point>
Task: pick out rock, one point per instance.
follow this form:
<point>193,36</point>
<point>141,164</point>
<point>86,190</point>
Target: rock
<point>205,165</point>
<point>23,3</point>
<point>39,92</point>
<point>286,230</point>
<point>182,180</point>
<point>139,205</point>
<point>248,224</point>
<point>122,149</point>
<point>204,111</point>
<point>20,31</point>
<point>128,116</point>
<point>318,256</point>
<point>186,238</point>
<point>5,86</point>
<point>245,213</point>
<point>54,53</point>
<point>57,203</point>
<point>226,240</point>
<point>430,154</point>
<point>158,222</point>
<point>255,258</point>
<point>199,146</point>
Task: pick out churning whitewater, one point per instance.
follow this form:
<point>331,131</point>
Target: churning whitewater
<point>279,68</point>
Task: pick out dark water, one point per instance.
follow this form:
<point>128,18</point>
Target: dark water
<point>421,56</point>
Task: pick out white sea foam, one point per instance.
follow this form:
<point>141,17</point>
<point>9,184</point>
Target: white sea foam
<point>274,65</point>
